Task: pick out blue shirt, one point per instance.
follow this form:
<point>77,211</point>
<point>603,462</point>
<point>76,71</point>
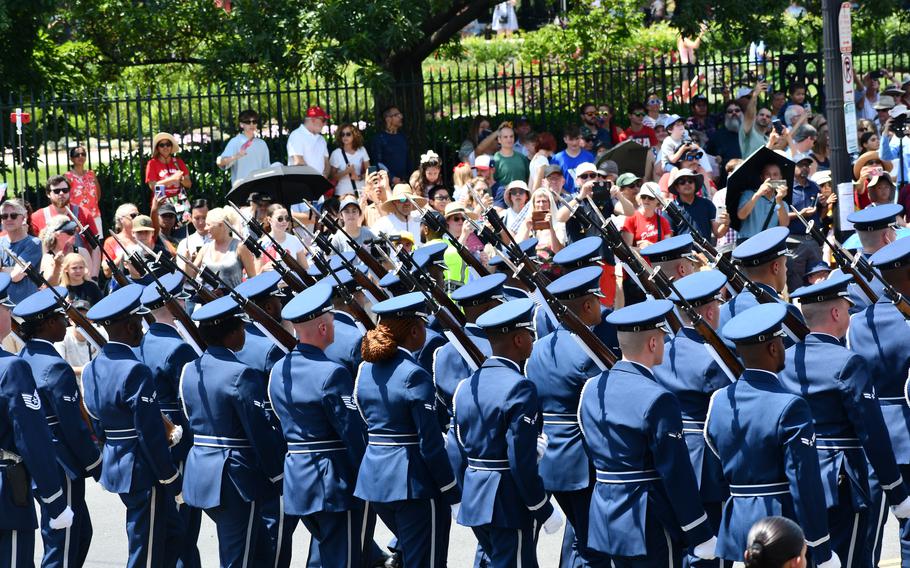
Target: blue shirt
<point>29,250</point>
<point>754,223</point>
<point>701,213</point>
<point>256,158</point>
<point>391,151</point>
<point>568,165</point>
<point>804,196</point>
<point>891,149</point>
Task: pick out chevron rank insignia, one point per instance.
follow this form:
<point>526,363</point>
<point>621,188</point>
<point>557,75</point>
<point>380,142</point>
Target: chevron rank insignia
<point>32,401</point>
<point>349,402</point>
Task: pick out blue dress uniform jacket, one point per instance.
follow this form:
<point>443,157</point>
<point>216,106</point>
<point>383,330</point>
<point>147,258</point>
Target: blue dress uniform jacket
<point>224,402</point>
<point>745,300</point>
<point>764,437</point>
<point>632,430</point>
<point>345,349</point>
<point>313,398</point>
<point>259,352</point>
<point>120,396</point>
<point>77,454</point>
<point>433,342</point>
<point>878,334</point>
<point>405,457</point>
<point>689,372</point>
<point>496,415</point>
<point>559,369</point>
<point>449,369</point>
<point>165,352</point>
<point>24,431</point>
<point>859,299</point>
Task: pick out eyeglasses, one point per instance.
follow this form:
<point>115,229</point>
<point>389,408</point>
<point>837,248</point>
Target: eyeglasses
<point>165,144</point>
<point>347,134</point>
<point>281,219</point>
<point>441,197</point>
<point>60,190</point>
<point>653,101</point>
<point>78,154</point>
<point>648,197</point>
<point>457,218</point>
<point>5,216</point>
<point>638,114</point>
<point>131,215</point>
<point>734,111</point>
<point>586,176</point>
<point>254,121</point>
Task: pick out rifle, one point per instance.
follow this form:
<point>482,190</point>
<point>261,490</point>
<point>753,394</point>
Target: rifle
<point>258,250</point>
<point>325,244</point>
<point>442,228</point>
<point>357,311</point>
<point>266,323</point>
<point>641,272</point>
<point>423,283</point>
<point>89,237</point>
<point>141,267</point>
<point>182,320</point>
<point>88,330</point>
<point>844,259</point>
<point>168,263</point>
<point>426,283</point>
<point>363,254</point>
<point>795,327</point>
<point>718,350</point>
<point>289,261</point>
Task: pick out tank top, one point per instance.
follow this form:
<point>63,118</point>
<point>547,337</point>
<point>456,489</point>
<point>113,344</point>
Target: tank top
<point>229,267</point>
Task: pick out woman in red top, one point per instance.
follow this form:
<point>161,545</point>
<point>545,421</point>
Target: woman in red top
<point>168,170</point>
<point>84,190</point>
<point>647,226</point>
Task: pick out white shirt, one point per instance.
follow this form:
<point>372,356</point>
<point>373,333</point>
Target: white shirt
<point>393,225</point>
<point>312,147</point>
<point>356,159</point>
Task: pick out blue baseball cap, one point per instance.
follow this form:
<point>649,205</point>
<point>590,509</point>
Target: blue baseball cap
<point>699,288</point>
<point>577,283</point>
<point>309,304</point>
<point>758,324</point>
<point>669,249</point>
<point>509,317</point>
<point>643,316</point>
<point>831,289</point>
<point>119,304</point>
<point>763,247</point>
<point>40,305</point>
<point>480,291</point>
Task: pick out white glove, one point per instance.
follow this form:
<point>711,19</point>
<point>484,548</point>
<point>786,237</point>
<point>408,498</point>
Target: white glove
<point>64,520</point>
<point>707,550</point>
<point>542,442</point>
<point>455,508</point>
<point>902,510</point>
<point>833,562</point>
<point>176,435</point>
<point>553,524</point>
<point>179,498</point>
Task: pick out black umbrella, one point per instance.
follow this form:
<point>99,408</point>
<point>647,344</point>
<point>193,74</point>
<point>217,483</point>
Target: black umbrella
<point>287,185</point>
<point>629,155</point>
<point>747,176</point>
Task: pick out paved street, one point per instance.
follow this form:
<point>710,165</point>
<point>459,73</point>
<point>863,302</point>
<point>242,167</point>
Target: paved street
<point>109,543</point>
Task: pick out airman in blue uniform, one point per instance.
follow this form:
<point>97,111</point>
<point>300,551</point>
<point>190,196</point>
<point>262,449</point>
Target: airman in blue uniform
<point>496,418</point>
<point>431,259</point>
<point>765,439</point>
<point>237,456</point>
<point>559,368</point>
<point>763,259</point>
<point>878,334</point>
<point>514,289</point>
<point>433,340</point>
<point>691,373</point>
<point>405,473</point>
<point>345,347</point>
<point>673,256</point>
<point>43,323</point>
<point>120,397</point>
<point>580,254</point>
<point>645,509</point>
<point>875,228</point>
<point>313,398</point>
<point>166,351</point>
<point>849,427</point>
<point>26,450</point>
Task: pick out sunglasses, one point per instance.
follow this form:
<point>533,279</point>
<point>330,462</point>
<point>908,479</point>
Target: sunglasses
<point>734,111</point>
<point>457,218</point>
<point>438,197</point>
<point>638,114</point>
<point>347,134</point>
<point>517,191</point>
<point>648,197</point>
<point>249,122</point>
<point>587,176</point>
<point>164,144</point>
<point>78,154</point>
<point>653,101</point>
<point>5,216</point>
<point>60,190</point>
<point>685,181</point>
<point>592,113</point>
<point>132,215</point>
<point>281,219</point>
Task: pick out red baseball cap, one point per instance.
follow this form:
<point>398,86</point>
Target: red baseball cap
<point>317,112</point>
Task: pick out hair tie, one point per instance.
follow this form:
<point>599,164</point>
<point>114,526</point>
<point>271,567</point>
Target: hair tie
<point>459,165</point>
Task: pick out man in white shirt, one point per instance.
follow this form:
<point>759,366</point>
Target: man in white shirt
<point>306,145</point>
<point>245,153</point>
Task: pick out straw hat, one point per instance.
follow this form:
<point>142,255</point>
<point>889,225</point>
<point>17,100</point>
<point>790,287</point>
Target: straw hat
<point>165,136</point>
<point>400,194</point>
<point>861,162</point>
<point>457,208</point>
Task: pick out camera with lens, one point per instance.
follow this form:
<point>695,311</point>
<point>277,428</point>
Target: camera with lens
<point>601,192</point>
<point>899,125</point>
<point>693,156</point>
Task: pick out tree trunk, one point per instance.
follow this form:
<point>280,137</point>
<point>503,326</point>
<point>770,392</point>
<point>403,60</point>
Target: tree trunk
<point>406,93</point>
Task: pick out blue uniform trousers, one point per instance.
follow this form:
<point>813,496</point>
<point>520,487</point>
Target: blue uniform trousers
<point>715,512</point>
<point>421,527</point>
<point>276,533</point>
<point>67,547</point>
<point>17,549</point>
<point>153,527</point>
<point>878,515</point>
<point>575,552</point>
<point>508,548</point>
<point>237,523</point>
<point>338,537</point>
<point>662,551</point>
<point>192,519</point>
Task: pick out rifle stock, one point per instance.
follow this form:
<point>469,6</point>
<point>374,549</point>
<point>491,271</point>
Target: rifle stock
<point>364,255</point>
<point>442,229</point>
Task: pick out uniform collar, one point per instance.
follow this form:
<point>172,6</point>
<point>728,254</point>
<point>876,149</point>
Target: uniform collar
<point>40,341</point>
<point>344,317</point>
<point>625,364</point>
<point>826,338</point>
<point>406,352</point>
<point>508,362</point>
<point>759,375</point>
<point>220,352</point>
<point>165,327</point>
<point>308,349</point>
<point>691,333</point>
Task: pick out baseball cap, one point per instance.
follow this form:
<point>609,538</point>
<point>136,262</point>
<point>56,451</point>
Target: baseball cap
<point>552,169</point>
<point>482,162</point>
<point>316,111</point>
<point>627,179</point>
<point>167,208</point>
<point>585,168</point>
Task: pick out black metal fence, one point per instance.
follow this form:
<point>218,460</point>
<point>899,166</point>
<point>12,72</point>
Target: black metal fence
<point>117,128</point>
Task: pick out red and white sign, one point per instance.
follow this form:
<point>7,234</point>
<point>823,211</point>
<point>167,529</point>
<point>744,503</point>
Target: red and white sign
<point>847,72</point>
<point>845,29</point>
